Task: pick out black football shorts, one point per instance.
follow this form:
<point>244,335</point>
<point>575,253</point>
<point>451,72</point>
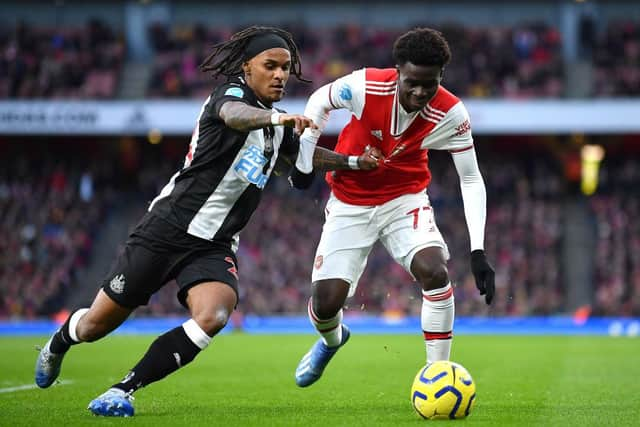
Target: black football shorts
<point>158,252</point>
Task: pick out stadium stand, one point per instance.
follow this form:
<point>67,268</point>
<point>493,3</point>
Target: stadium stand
<point>53,62</point>
<point>616,211</point>
<point>277,248</point>
<point>520,61</point>
<point>52,206</point>
<point>50,210</point>
<point>516,62</point>
<point>56,194</point>
<point>616,57</point>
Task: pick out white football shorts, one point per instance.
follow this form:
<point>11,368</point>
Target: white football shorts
<point>404,226</point>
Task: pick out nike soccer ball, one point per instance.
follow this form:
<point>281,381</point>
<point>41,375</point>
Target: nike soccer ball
<point>443,390</point>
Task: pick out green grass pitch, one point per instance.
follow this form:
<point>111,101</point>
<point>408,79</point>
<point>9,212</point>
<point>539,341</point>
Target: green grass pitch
<point>247,380</point>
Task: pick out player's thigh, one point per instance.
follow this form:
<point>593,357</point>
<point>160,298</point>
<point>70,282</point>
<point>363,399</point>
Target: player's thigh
<point>410,227</point>
<point>347,237</point>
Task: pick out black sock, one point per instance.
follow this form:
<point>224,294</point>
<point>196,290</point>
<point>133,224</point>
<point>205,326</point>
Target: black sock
<point>62,339</point>
<point>167,354</point>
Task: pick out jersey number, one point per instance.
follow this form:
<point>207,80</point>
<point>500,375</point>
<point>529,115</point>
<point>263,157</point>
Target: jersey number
<point>415,212</point>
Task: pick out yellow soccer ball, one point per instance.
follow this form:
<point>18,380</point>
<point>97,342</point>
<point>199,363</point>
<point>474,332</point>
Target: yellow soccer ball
<point>443,390</point>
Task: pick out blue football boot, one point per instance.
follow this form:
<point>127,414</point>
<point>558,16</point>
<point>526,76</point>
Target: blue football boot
<point>112,403</point>
<point>48,365</point>
<point>313,363</point>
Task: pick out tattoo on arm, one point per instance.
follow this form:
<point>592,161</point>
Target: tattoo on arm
<point>243,117</point>
<point>328,160</point>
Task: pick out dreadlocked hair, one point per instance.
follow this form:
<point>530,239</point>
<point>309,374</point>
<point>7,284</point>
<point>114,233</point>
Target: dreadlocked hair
<point>227,57</point>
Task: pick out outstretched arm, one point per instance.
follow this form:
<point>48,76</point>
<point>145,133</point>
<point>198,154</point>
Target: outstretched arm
<point>243,117</point>
<point>328,160</point>
<point>319,107</point>
<point>346,92</point>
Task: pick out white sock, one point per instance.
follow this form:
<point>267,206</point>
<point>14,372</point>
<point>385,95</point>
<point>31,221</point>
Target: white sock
<point>438,311</point>
<point>73,323</point>
<point>329,329</point>
<point>196,334</point>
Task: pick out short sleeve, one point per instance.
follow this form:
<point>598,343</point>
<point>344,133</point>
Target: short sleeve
<point>230,91</point>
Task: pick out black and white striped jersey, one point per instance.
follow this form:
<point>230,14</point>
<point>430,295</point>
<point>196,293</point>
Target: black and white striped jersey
<point>220,185</point>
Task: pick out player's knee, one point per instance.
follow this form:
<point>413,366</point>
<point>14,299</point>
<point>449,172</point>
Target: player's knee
<point>433,276</point>
<point>328,297</point>
<point>326,309</point>
<point>326,306</point>
<point>213,320</point>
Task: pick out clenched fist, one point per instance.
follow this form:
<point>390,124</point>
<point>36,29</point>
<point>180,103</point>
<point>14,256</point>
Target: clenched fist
<point>370,158</point>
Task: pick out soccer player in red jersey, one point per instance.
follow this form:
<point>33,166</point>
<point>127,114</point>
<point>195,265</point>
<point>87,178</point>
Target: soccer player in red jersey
<point>404,112</point>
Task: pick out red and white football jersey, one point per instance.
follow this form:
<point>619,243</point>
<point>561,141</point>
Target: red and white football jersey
<point>378,119</point>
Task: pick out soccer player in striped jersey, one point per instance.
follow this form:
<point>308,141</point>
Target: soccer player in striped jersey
<point>404,112</point>
<point>191,230</point>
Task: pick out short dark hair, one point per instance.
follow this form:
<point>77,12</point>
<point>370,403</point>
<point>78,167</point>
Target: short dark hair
<point>422,46</point>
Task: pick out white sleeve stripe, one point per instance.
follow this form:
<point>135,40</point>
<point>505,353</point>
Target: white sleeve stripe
<point>429,119</point>
<point>383,88</point>
<point>435,111</point>
<point>427,116</point>
<point>384,84</point>
<point>373,92</point>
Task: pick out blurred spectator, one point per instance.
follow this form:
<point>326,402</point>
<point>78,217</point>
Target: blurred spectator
<point>52,205</point>
<point>617,208</point>
<point>524,227</point>
<point>617,60</point>
<point>586,36</point>
<point>519,62</point>
<point>42,62</point>
<point>47,231</point>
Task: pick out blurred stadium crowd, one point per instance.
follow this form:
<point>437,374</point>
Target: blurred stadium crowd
<point>521,61</point>
<point>54,198</point>
<point>49,214</point>
<point>514,62</point>
<point>54,62</point>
